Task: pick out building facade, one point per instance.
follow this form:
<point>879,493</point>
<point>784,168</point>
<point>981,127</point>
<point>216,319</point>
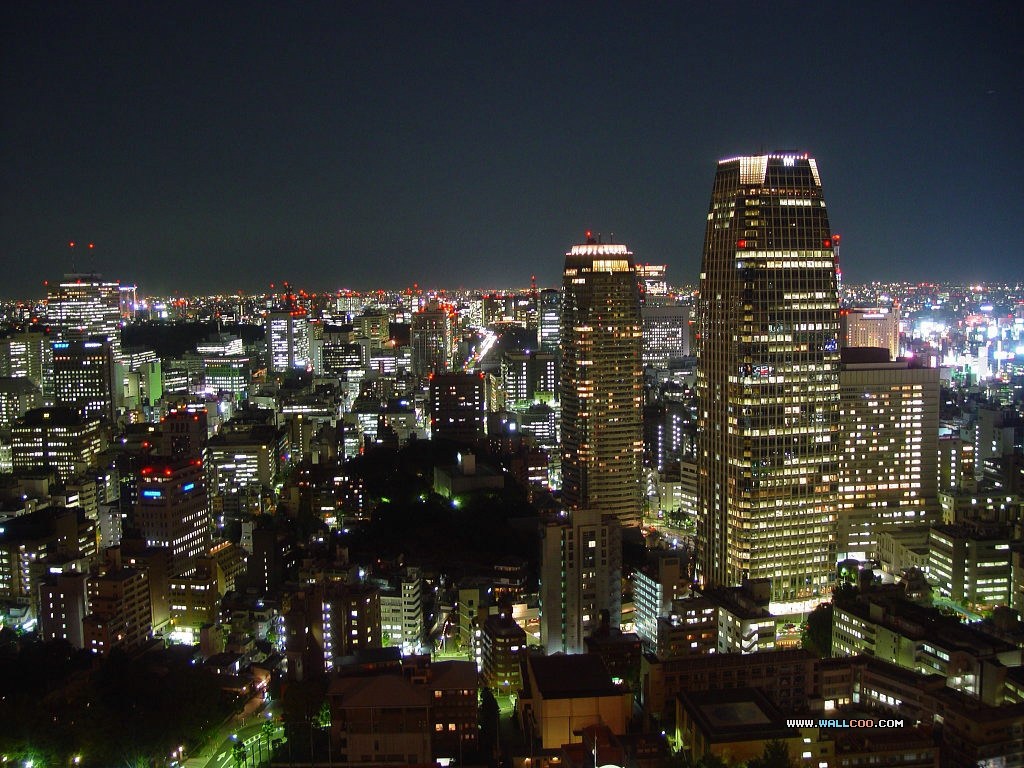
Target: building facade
<point>581,570</point>
<point>888,471</point>
<point>86,377</point>
<point>173,508</point>
<point>601,381</point>
<point>58,439</point>
<point>287,340</point>
<point>768,379</point>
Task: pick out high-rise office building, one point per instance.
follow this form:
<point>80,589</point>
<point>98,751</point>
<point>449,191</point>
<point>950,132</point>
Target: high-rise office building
<point>59,439</point>
<point>17,397</point>
<point>528,377</point>
<point>549,332</point>
<point>432,337</point>
<point>85,376</point>
<point>457,406</point>
<point>666,334</point>
<point>27,354</point>
<point>872,327</point>
<point>84,305</point>
<point>888,472</point>
<point>288,339</point>
<point>653,286</point>
<point>173,509</point>
<point>121,609</point>
<point>768,442</point>
<point>601,381</point>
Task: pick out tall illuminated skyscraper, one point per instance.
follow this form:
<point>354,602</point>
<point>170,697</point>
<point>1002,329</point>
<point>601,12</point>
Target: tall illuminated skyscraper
<point>84,305</point>
<point>549,323</point>
<point>601,381</point>
<point>768,444</point>
<point>287,339</point>
<point>86,376</point>
<point>433,338</point>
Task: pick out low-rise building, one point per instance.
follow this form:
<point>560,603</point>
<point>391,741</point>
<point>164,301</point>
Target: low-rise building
<point>409,711</point>
<point>884,625</point>
<point>737,725</point>
<point>970,562</point>
<point>563,694</point>
<point>504,647</point>
<point>663,579</point>
<point>120,612</point>
<point>787,675</point>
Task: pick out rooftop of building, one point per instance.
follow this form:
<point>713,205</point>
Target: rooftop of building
<point>453,675</point>
<point>747,602</point>
<point>864,355</point>
<point>381,691</point>
<point>38,524</point>
<point>735,714</point>
<point>17,385</point>
<point>609,638</point>
<point>889,608</point>
<point>503,625</point>
<point>54,416</point>
<point>976,531</point>
<point>723,660</point>
<point>572,676</point>
<point>848,742</point>
<point>241,434</point>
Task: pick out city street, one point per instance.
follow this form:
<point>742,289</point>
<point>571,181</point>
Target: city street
<point>245,728</point>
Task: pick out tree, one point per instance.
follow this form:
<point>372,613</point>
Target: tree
<point>238,752</point>
<point>775,755</point>
<point>267,731</point>
<point>323,717</point>
<point>817,632</point>
<point>489,713</point>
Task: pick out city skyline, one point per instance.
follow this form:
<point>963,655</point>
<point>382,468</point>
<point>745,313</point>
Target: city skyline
<point>212,150</point>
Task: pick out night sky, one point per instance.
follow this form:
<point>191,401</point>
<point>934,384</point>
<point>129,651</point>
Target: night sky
<point>218,147</point>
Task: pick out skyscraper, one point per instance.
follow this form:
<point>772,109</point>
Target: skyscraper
<point>86,376</point>
<point>601,381</point>
<point>432,338</point>
<point>872,327</point>
<point>888,472</point>
<point>548,324</point>
<point>288,339</point>
<point>768,442</point>
<point>173,508</point>
<point>84,305</point>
